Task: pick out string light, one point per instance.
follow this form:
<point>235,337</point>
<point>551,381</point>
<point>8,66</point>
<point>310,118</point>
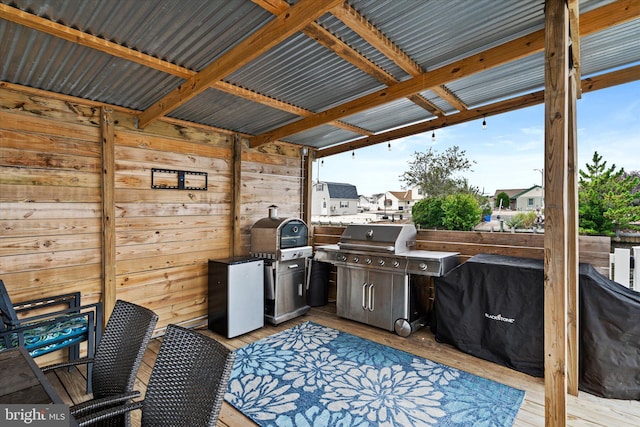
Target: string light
<point>353,154</point>
<point>321,162</point>
<point>433,136</point>
<point>388,146</point>
<point>484,121</point>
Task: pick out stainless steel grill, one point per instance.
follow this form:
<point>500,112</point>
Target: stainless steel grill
<point>282,243</point>
<point>375,264</point>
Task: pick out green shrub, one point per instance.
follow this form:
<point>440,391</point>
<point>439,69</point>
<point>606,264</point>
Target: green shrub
<point>461,212</point>
<point>427,213</point>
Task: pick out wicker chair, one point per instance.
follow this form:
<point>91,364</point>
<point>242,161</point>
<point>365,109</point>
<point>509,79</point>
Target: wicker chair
<point>187,384</point>
<point>118,356</point>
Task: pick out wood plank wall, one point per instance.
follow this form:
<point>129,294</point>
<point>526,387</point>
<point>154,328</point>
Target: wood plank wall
<point>51,206</point>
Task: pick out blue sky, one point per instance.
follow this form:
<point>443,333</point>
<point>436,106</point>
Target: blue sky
<point>508,151</point>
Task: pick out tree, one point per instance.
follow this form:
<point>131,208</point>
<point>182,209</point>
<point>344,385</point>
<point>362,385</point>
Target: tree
<point>606,198</point>
<point>435,174</point>
<point>503,200</point>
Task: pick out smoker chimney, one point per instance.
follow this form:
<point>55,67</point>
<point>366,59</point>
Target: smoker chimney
<point>273,212</point>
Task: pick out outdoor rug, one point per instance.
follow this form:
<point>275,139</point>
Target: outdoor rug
<point>312,375</point>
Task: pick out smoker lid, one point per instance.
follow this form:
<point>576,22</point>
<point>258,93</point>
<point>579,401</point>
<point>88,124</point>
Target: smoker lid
<point>271,222</point>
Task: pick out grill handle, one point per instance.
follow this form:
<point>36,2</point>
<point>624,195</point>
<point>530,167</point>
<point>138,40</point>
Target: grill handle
<point>371,297</point>
<point>365,247</point>
<point>364,295</point>
<point>269,286</point>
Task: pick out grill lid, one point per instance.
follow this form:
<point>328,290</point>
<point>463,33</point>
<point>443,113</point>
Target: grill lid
<point>379,237</point>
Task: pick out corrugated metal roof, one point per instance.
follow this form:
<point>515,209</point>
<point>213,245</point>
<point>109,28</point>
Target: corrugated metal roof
<point>225,111</point>
<point>322,136</point>
<point>611,48</point>
<point>470,26</point>
<point>36,60</point>
<point>295,77</point>
<point>298,71</point>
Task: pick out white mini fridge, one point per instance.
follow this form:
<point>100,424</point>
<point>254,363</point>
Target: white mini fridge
<point>236,295</point>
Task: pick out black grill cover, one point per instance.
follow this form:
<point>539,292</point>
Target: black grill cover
<point>492,307</point>
<point>610,337</point>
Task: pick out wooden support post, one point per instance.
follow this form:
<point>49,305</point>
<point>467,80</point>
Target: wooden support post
<point>573,275</point>
<point>236,178</point>
<point>555,236</point>
<point>108,213</point>
<point>307,165</point>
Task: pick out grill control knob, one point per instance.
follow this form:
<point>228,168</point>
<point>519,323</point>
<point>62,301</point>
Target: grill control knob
<point>356,259</point>
<point>367,261</point>
<point>423,266</point>
<point>381,262</point>
<point>343,257</point>
<point>396,263</point>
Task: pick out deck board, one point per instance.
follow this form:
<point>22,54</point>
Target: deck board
<point>584,410</point>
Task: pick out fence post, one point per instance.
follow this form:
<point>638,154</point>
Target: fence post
<point>636,270</point>
<point>622,266</point>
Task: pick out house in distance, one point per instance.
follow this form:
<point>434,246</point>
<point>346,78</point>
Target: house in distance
<point>334,198</point>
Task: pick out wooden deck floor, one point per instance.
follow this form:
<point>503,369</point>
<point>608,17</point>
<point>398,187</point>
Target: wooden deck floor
<point>584,410</point>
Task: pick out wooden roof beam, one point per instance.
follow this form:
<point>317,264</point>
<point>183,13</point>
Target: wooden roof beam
<point>84,39</point>
<point>593,21</point>
<point>359,24</point>
<point>267,37</point>
<point>318,33</point>
<point>590,84</point>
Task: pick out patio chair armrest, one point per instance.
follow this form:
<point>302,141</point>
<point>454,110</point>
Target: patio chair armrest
<point>105,414</point>
<point>55,315</point>
<point>81,361</point>
<point>92,405</point>
<point>72,299</point>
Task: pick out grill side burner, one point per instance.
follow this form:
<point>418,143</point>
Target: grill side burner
<point>375,264</point>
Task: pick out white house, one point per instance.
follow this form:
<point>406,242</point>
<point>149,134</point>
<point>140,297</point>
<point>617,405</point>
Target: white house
<point>523,199</point>
<point>334,198</point>
<point>530,199</point>
<point>399,200</point>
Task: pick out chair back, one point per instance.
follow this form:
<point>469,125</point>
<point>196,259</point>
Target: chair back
<point>120,351</point>
<point>188,381</point>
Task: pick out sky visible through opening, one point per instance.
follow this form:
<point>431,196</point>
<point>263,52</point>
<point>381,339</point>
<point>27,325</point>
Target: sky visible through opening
<point>508,152</point>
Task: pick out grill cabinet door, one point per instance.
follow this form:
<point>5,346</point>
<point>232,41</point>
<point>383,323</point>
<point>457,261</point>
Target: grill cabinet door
<point>387,299</point>
<point>351,293</point>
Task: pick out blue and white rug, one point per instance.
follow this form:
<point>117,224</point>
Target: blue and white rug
<point>312,375</point>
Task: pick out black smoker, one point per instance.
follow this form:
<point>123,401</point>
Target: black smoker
<point>283,244</point>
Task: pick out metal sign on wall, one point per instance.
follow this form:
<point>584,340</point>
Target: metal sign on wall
<point>173,179</point>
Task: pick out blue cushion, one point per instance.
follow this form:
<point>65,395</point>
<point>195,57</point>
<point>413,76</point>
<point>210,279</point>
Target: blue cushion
<point>41,340</point>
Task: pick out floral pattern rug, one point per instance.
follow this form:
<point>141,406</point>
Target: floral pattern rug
<point>312,375</point>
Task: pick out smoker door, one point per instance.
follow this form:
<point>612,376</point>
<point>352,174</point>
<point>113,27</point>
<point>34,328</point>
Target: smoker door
<point>289,291</point>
